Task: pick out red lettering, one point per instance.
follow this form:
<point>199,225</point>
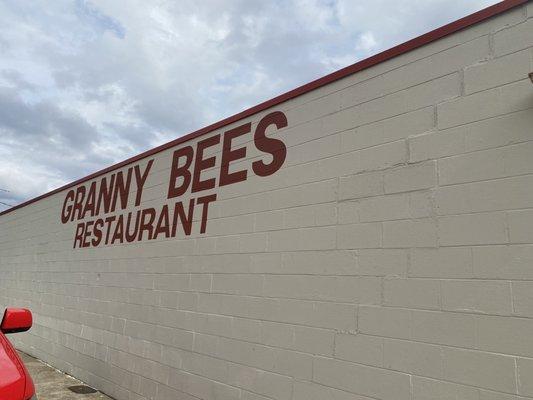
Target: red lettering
<point>89,203</point>
<point>88,232</point>
<point>66,216</point>
<point>119,230</point>
<point>141,180</point>
<point>106,192</point>
<point>186,221</point>
<point>130,237</point>
<point>97,231</point>
<point>108,221</point>
<point>122,190</point>
<point>275,147</point>
<point>205,202</point>
<point>79,235</point>
<point>180,172</point>
<point>80,195</point>
<point>147,225</point>
<point>163,223</point>
<point>201,163</point>
<point>229,155</point>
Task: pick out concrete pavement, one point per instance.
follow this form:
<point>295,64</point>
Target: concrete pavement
<point>51,384</point>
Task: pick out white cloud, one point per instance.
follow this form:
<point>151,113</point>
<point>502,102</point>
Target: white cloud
<point>366,42</point>
<point>86,84</point>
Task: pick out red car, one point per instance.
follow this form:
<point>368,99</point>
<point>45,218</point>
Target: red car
<point>15,381</point>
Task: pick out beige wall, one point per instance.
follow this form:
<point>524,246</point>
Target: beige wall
<point>390,258</point>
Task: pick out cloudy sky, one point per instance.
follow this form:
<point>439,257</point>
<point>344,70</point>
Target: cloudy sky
<point>85,84</point>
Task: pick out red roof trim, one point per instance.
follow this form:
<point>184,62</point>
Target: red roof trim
<point>412,44</point>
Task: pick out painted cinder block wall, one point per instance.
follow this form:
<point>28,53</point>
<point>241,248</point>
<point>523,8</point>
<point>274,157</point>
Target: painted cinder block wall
<point>390,257</point>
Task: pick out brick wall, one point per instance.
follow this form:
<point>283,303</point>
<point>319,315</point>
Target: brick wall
<point>390,258</point>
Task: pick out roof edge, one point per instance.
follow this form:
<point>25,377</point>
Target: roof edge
<point>385,55</point>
